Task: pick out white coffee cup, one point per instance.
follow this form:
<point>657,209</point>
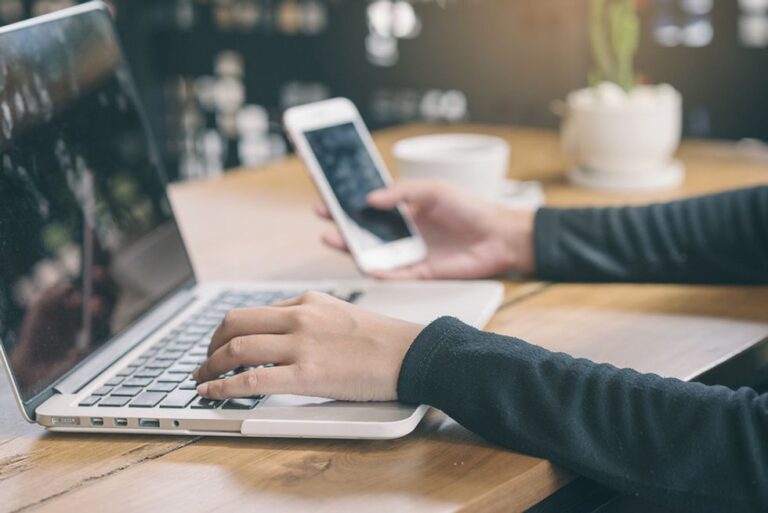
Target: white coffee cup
<point>477,163</point>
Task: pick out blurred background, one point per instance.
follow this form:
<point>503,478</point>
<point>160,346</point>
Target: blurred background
<point>216,75</point>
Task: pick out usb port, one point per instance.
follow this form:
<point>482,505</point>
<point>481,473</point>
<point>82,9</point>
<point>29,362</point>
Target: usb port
<point>121,422</point>
<point>66,421</point>
<point>149,423</point>
<point>97,421</point>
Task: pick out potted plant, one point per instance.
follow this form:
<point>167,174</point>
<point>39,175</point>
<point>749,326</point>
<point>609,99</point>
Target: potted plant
<point>623,135</point>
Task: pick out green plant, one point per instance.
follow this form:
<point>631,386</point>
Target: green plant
<point>615,37</point>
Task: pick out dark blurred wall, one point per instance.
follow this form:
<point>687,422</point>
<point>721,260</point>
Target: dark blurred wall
<point>500,61</point>
<point>511,58</point>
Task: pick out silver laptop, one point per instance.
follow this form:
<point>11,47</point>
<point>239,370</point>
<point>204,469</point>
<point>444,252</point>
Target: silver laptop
<point>101,318</point>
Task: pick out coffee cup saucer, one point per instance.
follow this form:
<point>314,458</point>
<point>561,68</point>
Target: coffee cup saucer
<point>670,177</point>
<point>516,194</point>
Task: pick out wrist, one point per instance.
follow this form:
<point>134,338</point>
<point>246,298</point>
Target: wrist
<point>517,235</point>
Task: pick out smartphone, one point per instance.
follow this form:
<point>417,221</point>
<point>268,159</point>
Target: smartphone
<point>335,144</point>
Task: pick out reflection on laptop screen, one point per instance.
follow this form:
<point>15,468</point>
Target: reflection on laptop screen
<point>88,241</point>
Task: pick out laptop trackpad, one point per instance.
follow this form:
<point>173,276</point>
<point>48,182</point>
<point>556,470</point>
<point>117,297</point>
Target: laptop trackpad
<point>282,401</point>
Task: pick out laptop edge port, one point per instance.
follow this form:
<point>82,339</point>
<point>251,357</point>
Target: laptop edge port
<point>97,421</point>
<point>121,422</point>
<point>149,423</point>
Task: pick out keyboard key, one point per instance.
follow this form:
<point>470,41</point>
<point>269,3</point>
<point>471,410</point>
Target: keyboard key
<point>245,403</point>
<point>138,362</point>
<point>182,368</point>
<point>190,384</point>
<point>158,364</point>
<point>235,295</point>
<point>124,372</point>
<point>114,381</point>
<point>163,356</point>
<point>137,382</point>
<point>183,346</point>
<point>205,322</point>
<point>114,401</point>
<point>148,373</point>
<point>169,354</point>
<point>179,399</point>
<point>147,400</point>
<point>205,404</point>
<point>172,378</point>
<point>189,338</point>
<point>90,401</point>
<point>102,391</point>
<point>194,333</point>
<point>127,391</point>
<point>161,387</point>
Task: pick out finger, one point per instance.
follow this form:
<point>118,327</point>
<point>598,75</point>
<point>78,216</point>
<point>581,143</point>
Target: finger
<point>322,211</point>
<point>293,301</point>
<point>247,351</point>
<point>420,271</point>
<point>418,193</point>
<point>307,297</point>
<point>335,240</point>
<point>261,381</point>
<point>250,321</point>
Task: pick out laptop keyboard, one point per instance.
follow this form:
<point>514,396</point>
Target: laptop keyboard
<point>162,375</point>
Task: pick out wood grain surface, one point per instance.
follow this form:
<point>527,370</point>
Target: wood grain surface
<point>258,224</point>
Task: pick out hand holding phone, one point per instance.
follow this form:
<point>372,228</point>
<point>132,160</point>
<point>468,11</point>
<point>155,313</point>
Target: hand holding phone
<point>338,150</point>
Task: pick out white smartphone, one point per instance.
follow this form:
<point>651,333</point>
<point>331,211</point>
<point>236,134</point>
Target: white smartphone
<point>335,144</point>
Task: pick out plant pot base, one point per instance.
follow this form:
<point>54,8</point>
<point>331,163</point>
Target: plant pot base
<point>670,177</point>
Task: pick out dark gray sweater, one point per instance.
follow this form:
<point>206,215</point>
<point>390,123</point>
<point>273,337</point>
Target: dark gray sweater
<point>686,446</point>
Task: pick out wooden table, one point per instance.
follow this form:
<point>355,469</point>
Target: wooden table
<point>257,224</point>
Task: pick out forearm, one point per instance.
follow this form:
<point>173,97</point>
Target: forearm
<point>721,238</point>
<point>683,445</point>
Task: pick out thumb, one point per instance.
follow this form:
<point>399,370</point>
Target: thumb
<point>384,199</point>
<point>415,194</point>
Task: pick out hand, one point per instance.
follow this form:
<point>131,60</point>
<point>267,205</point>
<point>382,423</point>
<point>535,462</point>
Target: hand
<point>467,237</point>
<point>319,345</point>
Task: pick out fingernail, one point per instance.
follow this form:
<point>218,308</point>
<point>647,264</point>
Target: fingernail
<point>202,389</point>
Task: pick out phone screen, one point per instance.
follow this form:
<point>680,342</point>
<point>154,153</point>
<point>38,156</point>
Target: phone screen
<point>352,174</point>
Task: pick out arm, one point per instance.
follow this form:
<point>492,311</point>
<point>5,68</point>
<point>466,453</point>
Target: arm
<point>721,238</point>
<point>683,445</point>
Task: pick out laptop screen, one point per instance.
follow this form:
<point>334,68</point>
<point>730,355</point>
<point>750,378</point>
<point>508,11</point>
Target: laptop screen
<point>88,241</point>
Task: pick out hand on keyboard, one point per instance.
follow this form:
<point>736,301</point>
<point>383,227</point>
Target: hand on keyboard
<point>160,375</point>
<point>319,345</point>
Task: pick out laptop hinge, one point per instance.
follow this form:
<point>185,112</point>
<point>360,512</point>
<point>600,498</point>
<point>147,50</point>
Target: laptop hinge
<point>91,368</point>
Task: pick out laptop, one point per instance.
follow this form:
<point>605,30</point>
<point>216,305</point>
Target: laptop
<point>102,321</point>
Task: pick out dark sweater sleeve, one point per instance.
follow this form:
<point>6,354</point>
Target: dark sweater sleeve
<point>722,238</point>
<point>682,445</point>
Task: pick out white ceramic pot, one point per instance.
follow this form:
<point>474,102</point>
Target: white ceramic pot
<point>624,141</point>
